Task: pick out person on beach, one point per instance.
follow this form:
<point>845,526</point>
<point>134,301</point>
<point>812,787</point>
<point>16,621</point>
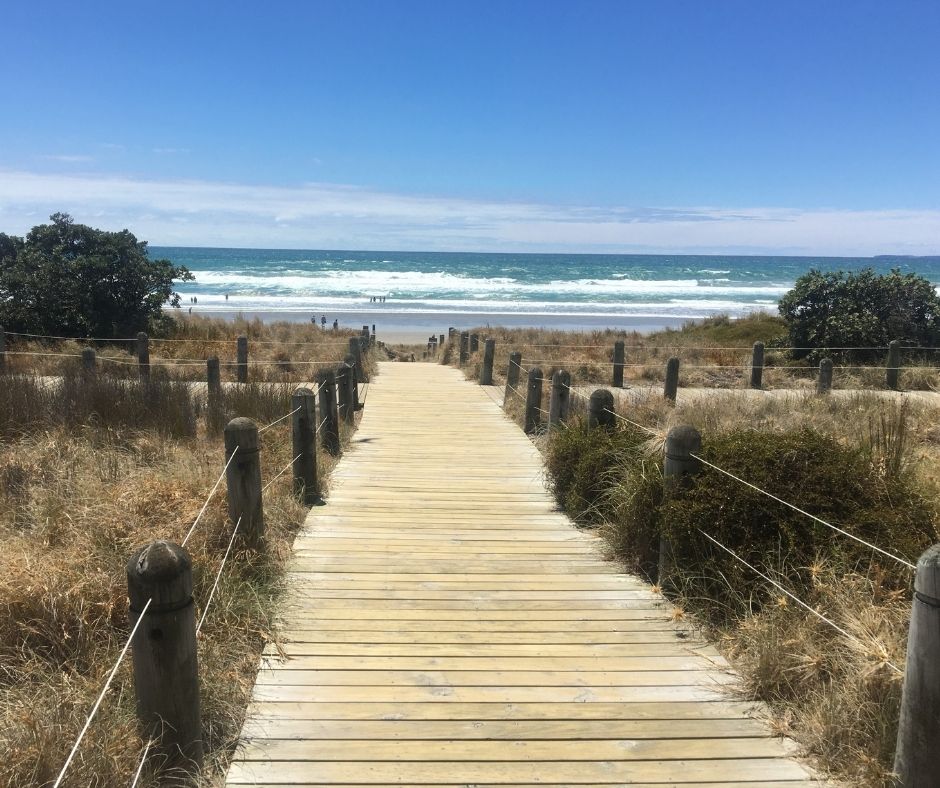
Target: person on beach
<point>336,325</point>
<point>323,322</point>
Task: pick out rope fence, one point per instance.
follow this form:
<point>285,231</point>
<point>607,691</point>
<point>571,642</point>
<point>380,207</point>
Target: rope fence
<point>795,598</point>
<point>218,577</point>
<point>104,691</point>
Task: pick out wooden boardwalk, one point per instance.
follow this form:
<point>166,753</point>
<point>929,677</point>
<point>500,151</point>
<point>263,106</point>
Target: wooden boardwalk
<point>445,625</point>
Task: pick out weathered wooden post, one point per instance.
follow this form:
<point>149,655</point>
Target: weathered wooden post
<point>512,375</point>
<point>3,350</point>
<point>243,479</point>
<point>242,359</point>
<point>560,398</point>
<point>489,353</point>
<point>474,343</point>
<point>601,409</point>
<point>450,333</point>
<point>671,387</point>
<point>917,756</point>
<point>329,413</point>
<point>166,667</point>
<point>893,372</point>
<point>304,441</point>
<point>355,350</point>
<point>619,359</point>
<point>143,357</point>
<point>345,386</point>
<point>440,341</point>
<point>89,362</point>
<point>824,381</point>
<point>681,443</point>
<point>355,376</point>
<point>464,347</point>
<point>213,383</point>
<point>533,401</point>
<point>372,336</point>
<point>757,365</point>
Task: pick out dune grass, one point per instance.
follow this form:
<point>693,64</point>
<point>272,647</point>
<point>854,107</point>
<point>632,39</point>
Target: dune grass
<point>90,470</point>
<point>713,353</point>
<point>278,352</point>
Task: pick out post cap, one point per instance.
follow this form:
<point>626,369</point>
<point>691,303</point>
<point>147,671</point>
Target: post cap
<point>303,391</point>
<point>682,441</point>
<point>927,580</point>
<point>161,571</point>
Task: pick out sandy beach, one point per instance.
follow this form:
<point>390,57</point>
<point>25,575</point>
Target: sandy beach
<point>412,327</point>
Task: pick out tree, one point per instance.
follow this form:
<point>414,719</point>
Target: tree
<point>861,311</point>
<point>70,279</point>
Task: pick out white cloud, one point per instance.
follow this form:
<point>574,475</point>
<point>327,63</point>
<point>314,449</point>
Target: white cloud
<point>318,215</point>
<point>170,151</point>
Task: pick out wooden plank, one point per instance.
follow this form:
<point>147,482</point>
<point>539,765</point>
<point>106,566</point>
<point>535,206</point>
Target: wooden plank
<point>513,772</point>
<point>481,712</point>
<point>258,727</point>
<point>517,750</point>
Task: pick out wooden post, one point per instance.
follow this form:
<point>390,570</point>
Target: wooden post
<point>533,401</point>
<point>893,372</point>
<point>824,381</point>
<point>440,341</point>
<point>166,667</point>
<point>372,337</point>
<point>243,479</point>
<point>917,756</point>
<point>304,440</point>
<point>619,358</point>
<point>512,375</point>
<point>489,353</point>
<point>601,409</point>
<point>213,383</point>
<point>757,365</point>
<point>355,379</point>
<point>464,347</point>
<point>3,350</point>
<point>143,357</point>
<point>474,343</point>
<point>681,443</point>
<point>345,382</point>
<point>671,387</point>
<point>329,414</point>
<point>560,397</point>
<point>242,359</point>
<point>355,350</point>
<point>89,362</point>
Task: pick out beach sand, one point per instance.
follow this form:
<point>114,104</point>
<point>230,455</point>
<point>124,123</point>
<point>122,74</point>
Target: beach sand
<point>415,327</point>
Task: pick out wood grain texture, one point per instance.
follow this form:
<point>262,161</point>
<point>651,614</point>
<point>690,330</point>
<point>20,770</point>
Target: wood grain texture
<point>444,624</point>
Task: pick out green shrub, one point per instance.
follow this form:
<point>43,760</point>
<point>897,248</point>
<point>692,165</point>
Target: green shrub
<point>585,466</point>
<point>861,310</point>
<point>836,483</point>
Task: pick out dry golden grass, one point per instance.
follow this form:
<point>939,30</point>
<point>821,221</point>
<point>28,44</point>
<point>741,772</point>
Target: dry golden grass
<point>715,353</point>
<point>77,497</point>
<point>278,352</point>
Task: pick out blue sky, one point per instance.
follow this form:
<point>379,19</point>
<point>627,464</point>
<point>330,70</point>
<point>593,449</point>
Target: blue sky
<point>726,125</point>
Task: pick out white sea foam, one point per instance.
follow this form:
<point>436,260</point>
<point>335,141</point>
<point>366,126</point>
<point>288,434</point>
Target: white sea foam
<point>419,284</point>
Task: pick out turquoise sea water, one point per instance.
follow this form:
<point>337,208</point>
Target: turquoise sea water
<point>520,285</point>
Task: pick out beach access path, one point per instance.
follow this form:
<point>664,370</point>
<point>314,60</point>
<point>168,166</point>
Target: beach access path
<point>445,625</point>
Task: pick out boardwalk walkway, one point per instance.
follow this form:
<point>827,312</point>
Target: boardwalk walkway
<point>446,626</point>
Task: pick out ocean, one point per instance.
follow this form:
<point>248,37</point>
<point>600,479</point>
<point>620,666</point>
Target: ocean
<point>564,290</point>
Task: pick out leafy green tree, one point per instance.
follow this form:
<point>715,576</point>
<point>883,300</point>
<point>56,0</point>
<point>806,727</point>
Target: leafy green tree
<point>70,279</point>
<point>859,310</point>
